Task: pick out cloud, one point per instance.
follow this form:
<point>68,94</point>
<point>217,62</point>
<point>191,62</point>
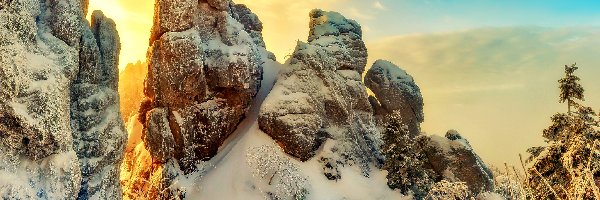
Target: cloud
<point>495,84</point>
<point>359,15</point>
<point>379,6</point>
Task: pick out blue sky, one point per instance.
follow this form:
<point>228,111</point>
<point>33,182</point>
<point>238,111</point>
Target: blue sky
<point>429,16</point>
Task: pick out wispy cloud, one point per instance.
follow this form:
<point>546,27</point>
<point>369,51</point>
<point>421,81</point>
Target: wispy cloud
<point>358,14</point>
<point>379,5</point>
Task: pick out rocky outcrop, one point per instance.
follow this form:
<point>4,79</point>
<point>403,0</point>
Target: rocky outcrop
<point>99,132</point>
<point>252,25</point>
<point>395,92</point>
<point>204,69</point>
<point>453,159</point>
<point>60,130</point>
<point>321,95</point>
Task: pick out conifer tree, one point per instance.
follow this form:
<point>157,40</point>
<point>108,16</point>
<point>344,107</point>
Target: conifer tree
<point>570,89</point>
<point>568,167</point>
<point>404,160</point>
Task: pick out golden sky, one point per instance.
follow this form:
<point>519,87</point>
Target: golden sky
<point>284,21</point>
<point>134,20</point>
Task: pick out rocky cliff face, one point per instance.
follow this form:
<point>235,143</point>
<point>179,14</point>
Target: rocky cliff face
<point>131,88</point>
<point>60,127</point>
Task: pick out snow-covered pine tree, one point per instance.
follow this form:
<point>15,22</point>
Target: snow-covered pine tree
<point>570,89</point>
<point>568,167</point>
<point>404,160</point>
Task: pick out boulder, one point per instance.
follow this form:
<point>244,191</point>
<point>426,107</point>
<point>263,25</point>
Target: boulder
<point>453,159</point>
<point>395,92</point>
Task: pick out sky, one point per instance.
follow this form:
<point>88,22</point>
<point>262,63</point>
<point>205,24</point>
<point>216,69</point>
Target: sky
<point>486,68</point>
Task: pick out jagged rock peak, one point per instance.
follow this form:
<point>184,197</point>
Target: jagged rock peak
<point>205,66</point>
<point>334,43</point>
<point>395,91</point>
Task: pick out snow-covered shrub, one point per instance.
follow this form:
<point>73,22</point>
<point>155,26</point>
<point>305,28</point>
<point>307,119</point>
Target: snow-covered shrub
<point>280,178</point>
<point>405,159</point>
<point>445,190</point>
<point>508,184</point>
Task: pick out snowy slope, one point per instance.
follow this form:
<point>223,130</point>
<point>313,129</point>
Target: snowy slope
<point>230,176</point>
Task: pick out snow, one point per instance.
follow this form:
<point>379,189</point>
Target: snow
<point>394,73</point>
<point>448,146</point>
<point>490,196</point>
<point>27,180</point>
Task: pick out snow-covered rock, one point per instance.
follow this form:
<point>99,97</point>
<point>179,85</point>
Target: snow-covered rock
<point>61,133</point>
<point>321,95</point>
<point>453,159</point>
<point>204,69</point>
<point>395,92</point>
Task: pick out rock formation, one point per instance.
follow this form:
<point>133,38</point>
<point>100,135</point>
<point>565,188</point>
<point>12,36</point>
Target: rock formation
<point>61,128</point>
<point>61,136</point>
<point>321,95</point>
<point>453,159</point>
<point>204,69</point>
<point>95,118</point>
<point>395,91</point>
